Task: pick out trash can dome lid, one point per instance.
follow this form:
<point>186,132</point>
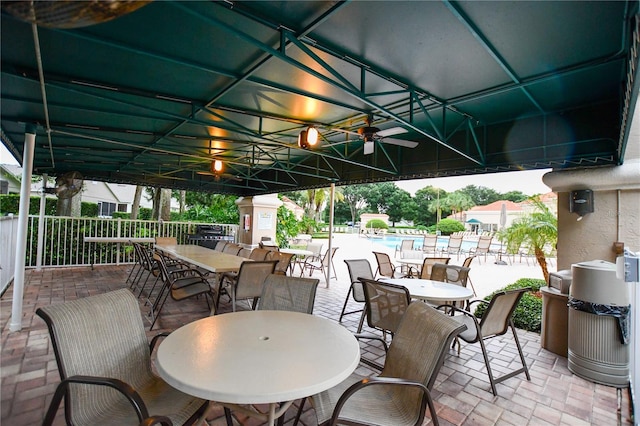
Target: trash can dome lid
<point>596,264</point>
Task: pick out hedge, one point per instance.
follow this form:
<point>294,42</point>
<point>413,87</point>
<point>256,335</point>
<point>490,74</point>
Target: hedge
<point>528,313</point>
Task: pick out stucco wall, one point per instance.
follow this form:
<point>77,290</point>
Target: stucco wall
<point>616,218</point>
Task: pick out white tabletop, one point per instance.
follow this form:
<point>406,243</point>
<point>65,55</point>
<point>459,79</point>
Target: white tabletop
<point>410,261</point>
<point>297,252</point>
<point>432,290</point>
<point>205,258</point>
<point>255,357</point>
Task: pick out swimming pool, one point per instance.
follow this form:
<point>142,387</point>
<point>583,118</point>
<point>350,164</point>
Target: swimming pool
<point>393,241</point>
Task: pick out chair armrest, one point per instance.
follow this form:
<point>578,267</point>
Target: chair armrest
<point>478,301</point>
<point>155,339</point>
<point>124,388</point>
<point>452,309</point>
<point>382,381</point>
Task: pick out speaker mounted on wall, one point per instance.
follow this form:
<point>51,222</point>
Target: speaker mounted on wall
<point>581,202</point>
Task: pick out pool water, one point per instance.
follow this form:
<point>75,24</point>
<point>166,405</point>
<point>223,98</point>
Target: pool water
<point>393,241</point>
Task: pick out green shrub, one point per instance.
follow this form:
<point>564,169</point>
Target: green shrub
<point>88,209</point>
<point>120,215</point>
<point>528,313</point>
<point>377,224</point>
<point>447,227</point>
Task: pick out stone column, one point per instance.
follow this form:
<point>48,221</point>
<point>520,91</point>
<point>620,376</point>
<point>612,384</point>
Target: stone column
<point>258,218</point>
<point>616,216</point>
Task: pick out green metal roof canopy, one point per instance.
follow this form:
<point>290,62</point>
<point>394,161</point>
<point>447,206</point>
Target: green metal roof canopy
<point>155,95</point>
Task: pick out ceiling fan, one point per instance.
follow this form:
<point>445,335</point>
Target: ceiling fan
<point>215,170</point>
<point>370,134</point>
<point>67,185</point>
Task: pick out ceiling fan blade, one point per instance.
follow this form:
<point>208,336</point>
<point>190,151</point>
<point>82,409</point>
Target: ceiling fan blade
<point>400,142</point>
<point>231,177</point>
<point>392,131</point>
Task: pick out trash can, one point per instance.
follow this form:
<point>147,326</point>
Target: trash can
<point>555,313</point>
<point>598,332</point>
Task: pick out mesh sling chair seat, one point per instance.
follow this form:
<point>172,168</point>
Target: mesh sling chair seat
<point>320,265</point>
<point>357,268</point>
<point>452,274</point>
<point>249,282</point>
<point>482,248</point>
<point>286,293</point>
<point>496,321</point>
<point>385,304</point>
<point>430,244</point>
<point>100,341</point>
<point>180,285</point>
<point>284,261</point>
<point>400,395</point>
<point>427,266</point>
<point>385,267</point>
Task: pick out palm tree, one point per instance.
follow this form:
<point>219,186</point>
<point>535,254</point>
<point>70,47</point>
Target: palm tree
<point>535,230</point>
<point>458,202</point>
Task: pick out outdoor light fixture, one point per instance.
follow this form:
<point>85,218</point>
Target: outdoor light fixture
<point>216,166</point>
<point>581,202</point>
<point>308,138</point>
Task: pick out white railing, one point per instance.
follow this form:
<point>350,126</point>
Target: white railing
<point>8,234</point>
<point>64,245</point>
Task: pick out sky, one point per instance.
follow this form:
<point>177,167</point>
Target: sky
<point>529,182</point>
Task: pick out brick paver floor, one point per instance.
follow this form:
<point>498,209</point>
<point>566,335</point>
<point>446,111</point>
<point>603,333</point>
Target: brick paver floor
<point>554,396</point>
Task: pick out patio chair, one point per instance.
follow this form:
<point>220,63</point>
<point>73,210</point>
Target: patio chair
<point>325,263</point>
<point>259,254</point>
<point>482,249</point>
<point>429,244</point>
<point>385,267</point>
<point>248,283</point>
<point>400,395</point>
<point>452,274</point>
<point>284,261</point>
<point>180,286</point>
<point>144,264</point>
<point>232,248</point>
<point>405,245</point>
<point>454,246</point>
<point>220,245</point>
<point>268,245</point>
<point>357,268</point>
<point>467,264</point>
<point>316,249</point>
<point>427,266</point>
<point>385,304</point>
<point>495,321</point>
<point>104,362</point>
<point>286,293</point>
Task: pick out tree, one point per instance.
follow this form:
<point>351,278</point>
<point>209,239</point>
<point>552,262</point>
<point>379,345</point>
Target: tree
<point>481,195</point>
<point>135,207</point>
<point>429,206</point>
<point>515,196</point>
<point>354,196</point>
<point>536,231</point>
<point>458,202</point>
<point>396,205</point>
